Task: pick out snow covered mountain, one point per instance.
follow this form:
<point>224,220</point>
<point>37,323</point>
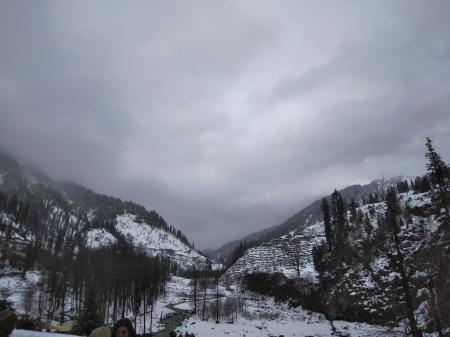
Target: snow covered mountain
<point>154,241</point>
<point>280,255</point>
<point>306,216</point>
<point>364,284</point>
<point>38,211</point>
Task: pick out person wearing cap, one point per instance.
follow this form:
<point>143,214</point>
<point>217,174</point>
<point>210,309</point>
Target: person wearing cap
<point>8,320</point>
<point>102,331</point>
<point>123,328</point>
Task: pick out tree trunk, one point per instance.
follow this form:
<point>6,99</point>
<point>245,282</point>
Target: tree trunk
<point>217,301</point>
<point>151,315</point>
<point>145,309</point>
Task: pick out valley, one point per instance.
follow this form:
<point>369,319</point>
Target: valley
<point>368,261</point>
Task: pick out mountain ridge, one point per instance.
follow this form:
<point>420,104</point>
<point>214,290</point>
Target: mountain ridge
<point>62,207</point>
<point>306,215</point>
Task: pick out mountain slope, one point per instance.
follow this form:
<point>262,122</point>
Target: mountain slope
<point>277,256</point>
<point>306,216</point>
<point>34,209</point>
<point>359,280</point>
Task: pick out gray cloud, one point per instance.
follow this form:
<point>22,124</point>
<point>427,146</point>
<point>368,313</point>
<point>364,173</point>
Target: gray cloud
<point>224,117</point>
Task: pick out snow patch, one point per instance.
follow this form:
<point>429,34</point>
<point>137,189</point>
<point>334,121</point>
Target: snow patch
<point>156,241</point>
<point>97,238</point>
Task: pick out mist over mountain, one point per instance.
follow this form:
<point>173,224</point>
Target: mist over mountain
<point>56,209</point>
<point>306,216</point>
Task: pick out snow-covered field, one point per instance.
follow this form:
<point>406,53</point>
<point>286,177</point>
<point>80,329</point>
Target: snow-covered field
<point>261,317</point>
<point>274,328</point>
<point>267,318</point>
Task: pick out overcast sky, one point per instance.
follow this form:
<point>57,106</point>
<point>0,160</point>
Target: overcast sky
<point>226,117</point>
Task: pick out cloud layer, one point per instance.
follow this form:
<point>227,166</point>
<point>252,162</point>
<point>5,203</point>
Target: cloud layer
<point>226,117</point>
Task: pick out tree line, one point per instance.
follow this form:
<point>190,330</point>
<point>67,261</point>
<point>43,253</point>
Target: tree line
<point>45,232</point>
<point>97,286</point>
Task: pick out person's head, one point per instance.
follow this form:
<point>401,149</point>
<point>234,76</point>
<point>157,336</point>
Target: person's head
<point>102,331</point>
<point>123,328</point>
<point>8,320</point>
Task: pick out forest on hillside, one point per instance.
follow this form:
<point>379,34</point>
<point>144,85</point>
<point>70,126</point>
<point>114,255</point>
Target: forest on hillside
<point>384,259</point>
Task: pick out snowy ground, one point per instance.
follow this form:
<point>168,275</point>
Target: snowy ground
<point>177,291</point>
<point>266,318</point>
<point>261,317</point>
<point>12,286</point>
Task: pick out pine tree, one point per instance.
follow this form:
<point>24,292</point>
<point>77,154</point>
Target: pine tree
<point>353,211</point>
<point>90,316</point>
<point>425,185</point>
<point>402,186</point>
<point>327,223</point>
<point>437,171</point>
<point>339,220</point>
<point>368,228</point>
<point>418,185</point>
<point>393,225</point>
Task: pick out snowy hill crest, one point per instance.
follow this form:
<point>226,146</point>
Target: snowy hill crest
<point>154,241</point>
<point>58,216</point>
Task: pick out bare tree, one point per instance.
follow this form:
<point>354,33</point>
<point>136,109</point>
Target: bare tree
<point>28,300</point>
<point>381,188</point>
<point>195,285</point>
<point>204,296</point>
<point>295,253</point>
<point>217,300</point>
